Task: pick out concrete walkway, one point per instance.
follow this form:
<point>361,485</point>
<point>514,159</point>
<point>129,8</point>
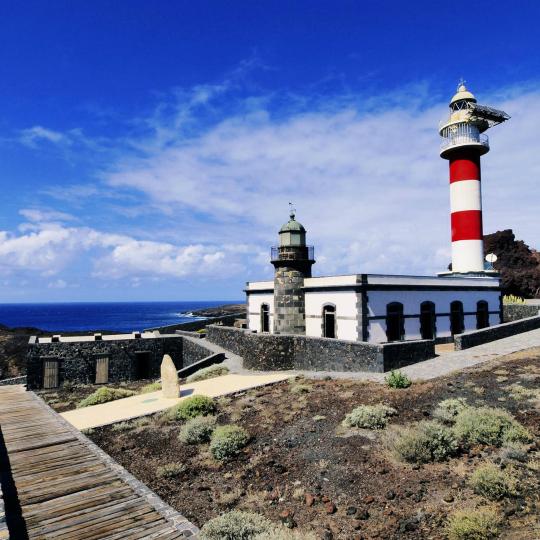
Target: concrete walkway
<point>144,404</point>
<point>447,362</point>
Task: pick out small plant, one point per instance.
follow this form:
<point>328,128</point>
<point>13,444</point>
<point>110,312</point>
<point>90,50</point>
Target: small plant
<point>122,426</point>
<point>227,441</point>
<point>520,393</point>
<point>191,407</point>
<point>490,482</point>
<point>396,379</point>
<point>369,416</point>
<point>512,299</point>
<point>482,524</point>
<point>152,387</point>
<point>208,373</point>
<point>448,409</point>
<point>197,430</point>
<point>104,395</point>
<point>171,470</point>
<point>426,441</point>
<point>486,425</point>
<point>300,389</point>
<point>235,525</point>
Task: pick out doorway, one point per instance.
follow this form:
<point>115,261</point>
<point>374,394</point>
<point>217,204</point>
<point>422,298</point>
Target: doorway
<point>456,317</point>
<point>50,373</point>
<point>143,362</point>
<point>329,321</point>
<point>427,320</point>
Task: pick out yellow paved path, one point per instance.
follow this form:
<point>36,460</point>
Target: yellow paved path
<point>143,404</point>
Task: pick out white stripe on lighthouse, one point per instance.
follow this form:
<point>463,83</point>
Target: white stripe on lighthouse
<point>465,195</point>
<point>468,256</point>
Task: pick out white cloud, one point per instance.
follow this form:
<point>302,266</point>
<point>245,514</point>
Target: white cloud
<point>36,215</point>
<point>35,134</point>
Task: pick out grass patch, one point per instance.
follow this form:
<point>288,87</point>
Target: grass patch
<point>396,379</point>
<point>369,416</point>
<point>227,441</point>
<point>208,373</point>
<point>481,524</point>
<point>300,389</point>
<point>490,482</point>
<point>171,470</point>
<point>422,443</point>
<point>104,395</point>
<point>197,405</point>
<point>197,430</point>
<point>152,387</point>
<point>488,425</point>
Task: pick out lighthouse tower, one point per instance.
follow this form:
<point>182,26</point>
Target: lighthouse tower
<point>463,143</point>
<point>292,261</point>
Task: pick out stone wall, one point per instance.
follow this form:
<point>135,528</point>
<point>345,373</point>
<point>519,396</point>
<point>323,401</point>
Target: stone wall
<point>287,351</point>
<point>193,351</point>
<point>192,326</point>
<point>77,359</point>
<point>515,312</point>
<point>486,335</point>
<point>289,301</point>
<point>13,380</point>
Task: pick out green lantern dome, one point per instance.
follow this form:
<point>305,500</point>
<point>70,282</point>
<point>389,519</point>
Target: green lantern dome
<point>292,225</point>
<point>292,233</point>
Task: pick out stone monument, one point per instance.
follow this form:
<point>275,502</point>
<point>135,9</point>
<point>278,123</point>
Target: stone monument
<point>170,386</point>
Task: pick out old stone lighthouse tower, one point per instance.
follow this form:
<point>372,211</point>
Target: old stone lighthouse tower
<point>292,261</point>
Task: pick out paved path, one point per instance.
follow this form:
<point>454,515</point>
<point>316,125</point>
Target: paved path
<point>58,484</point>
<point>143,404</point>
<point>447,362</point>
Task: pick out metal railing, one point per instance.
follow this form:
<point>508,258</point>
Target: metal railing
<point>289,253</point>
<point>461,134</point>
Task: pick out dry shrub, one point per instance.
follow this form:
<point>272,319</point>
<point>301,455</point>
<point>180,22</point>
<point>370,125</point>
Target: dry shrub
<point>152,387</point>
<point>448,409</point>
<point>197,430</point>
<point>227,441</point>
<point>488,425</point>
<point>191,407</point>
<point>490,482</point>
<point>210,372</point>
<point>369,416</point>
<point>421,443</point>
<point>481,524</point>
<point>104,395</point>
<point>171,470</point>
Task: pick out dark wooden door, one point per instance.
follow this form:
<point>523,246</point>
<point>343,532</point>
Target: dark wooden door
<point>50,374</point>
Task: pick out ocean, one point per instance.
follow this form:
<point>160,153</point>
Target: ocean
<point>114,316</point>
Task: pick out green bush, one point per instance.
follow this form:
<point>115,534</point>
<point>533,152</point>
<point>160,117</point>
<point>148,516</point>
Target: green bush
<point>197,430</point>
<point>448,409</point>
<point>426,441</point>
<point>227,441</point>
<point>235,525</point>
<point>171,470</point>
<point>396,379</point>
<point>482,524</point>
<point>208,373</point>
<point>369,416</point>
<point>512,299</point>
<point>490,482</point>
<point>152,387</point>
<point>105,394</point>
<point>191,407</point>
<point>486,425</point>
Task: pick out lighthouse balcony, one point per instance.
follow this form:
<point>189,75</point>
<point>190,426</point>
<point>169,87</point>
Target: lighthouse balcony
<point>456,136</point>
<point>292,253</point>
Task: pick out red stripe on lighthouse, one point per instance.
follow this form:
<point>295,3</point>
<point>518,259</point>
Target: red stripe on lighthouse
<point>465,169</point>
<point>466,225</point>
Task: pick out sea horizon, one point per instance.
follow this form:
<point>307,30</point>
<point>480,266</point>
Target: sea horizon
<point>114,316</point>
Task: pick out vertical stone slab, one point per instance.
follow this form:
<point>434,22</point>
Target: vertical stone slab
<point>289,302</point>
<point>170,385</point>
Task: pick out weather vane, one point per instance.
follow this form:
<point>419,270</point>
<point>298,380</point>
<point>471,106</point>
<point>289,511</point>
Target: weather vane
<point>292,210</point>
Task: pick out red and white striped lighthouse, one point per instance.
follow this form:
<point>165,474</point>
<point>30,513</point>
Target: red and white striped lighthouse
<point>463,144</point>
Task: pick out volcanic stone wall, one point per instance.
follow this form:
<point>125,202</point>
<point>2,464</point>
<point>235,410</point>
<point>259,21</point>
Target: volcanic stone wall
<point>486,335</point>
<point>287,351</point>
<point>193,351</point>
<point>515,312</point>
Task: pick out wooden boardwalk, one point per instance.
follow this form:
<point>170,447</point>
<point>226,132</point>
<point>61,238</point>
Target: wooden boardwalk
<point>57,485</point>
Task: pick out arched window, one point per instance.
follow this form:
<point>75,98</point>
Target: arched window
<point>456,317</point>
<point>427,320</point>
<point>329,321</point>
<point>395,323</point>
<point>265,318</point>
<point>482,314</point>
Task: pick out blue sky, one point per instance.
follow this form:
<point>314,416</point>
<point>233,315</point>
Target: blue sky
<point>148,150</point>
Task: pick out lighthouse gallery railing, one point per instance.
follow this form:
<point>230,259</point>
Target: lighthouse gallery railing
<point>459,134</point>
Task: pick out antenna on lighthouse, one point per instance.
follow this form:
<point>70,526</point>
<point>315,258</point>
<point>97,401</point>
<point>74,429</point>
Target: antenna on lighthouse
<point>292,210</point>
